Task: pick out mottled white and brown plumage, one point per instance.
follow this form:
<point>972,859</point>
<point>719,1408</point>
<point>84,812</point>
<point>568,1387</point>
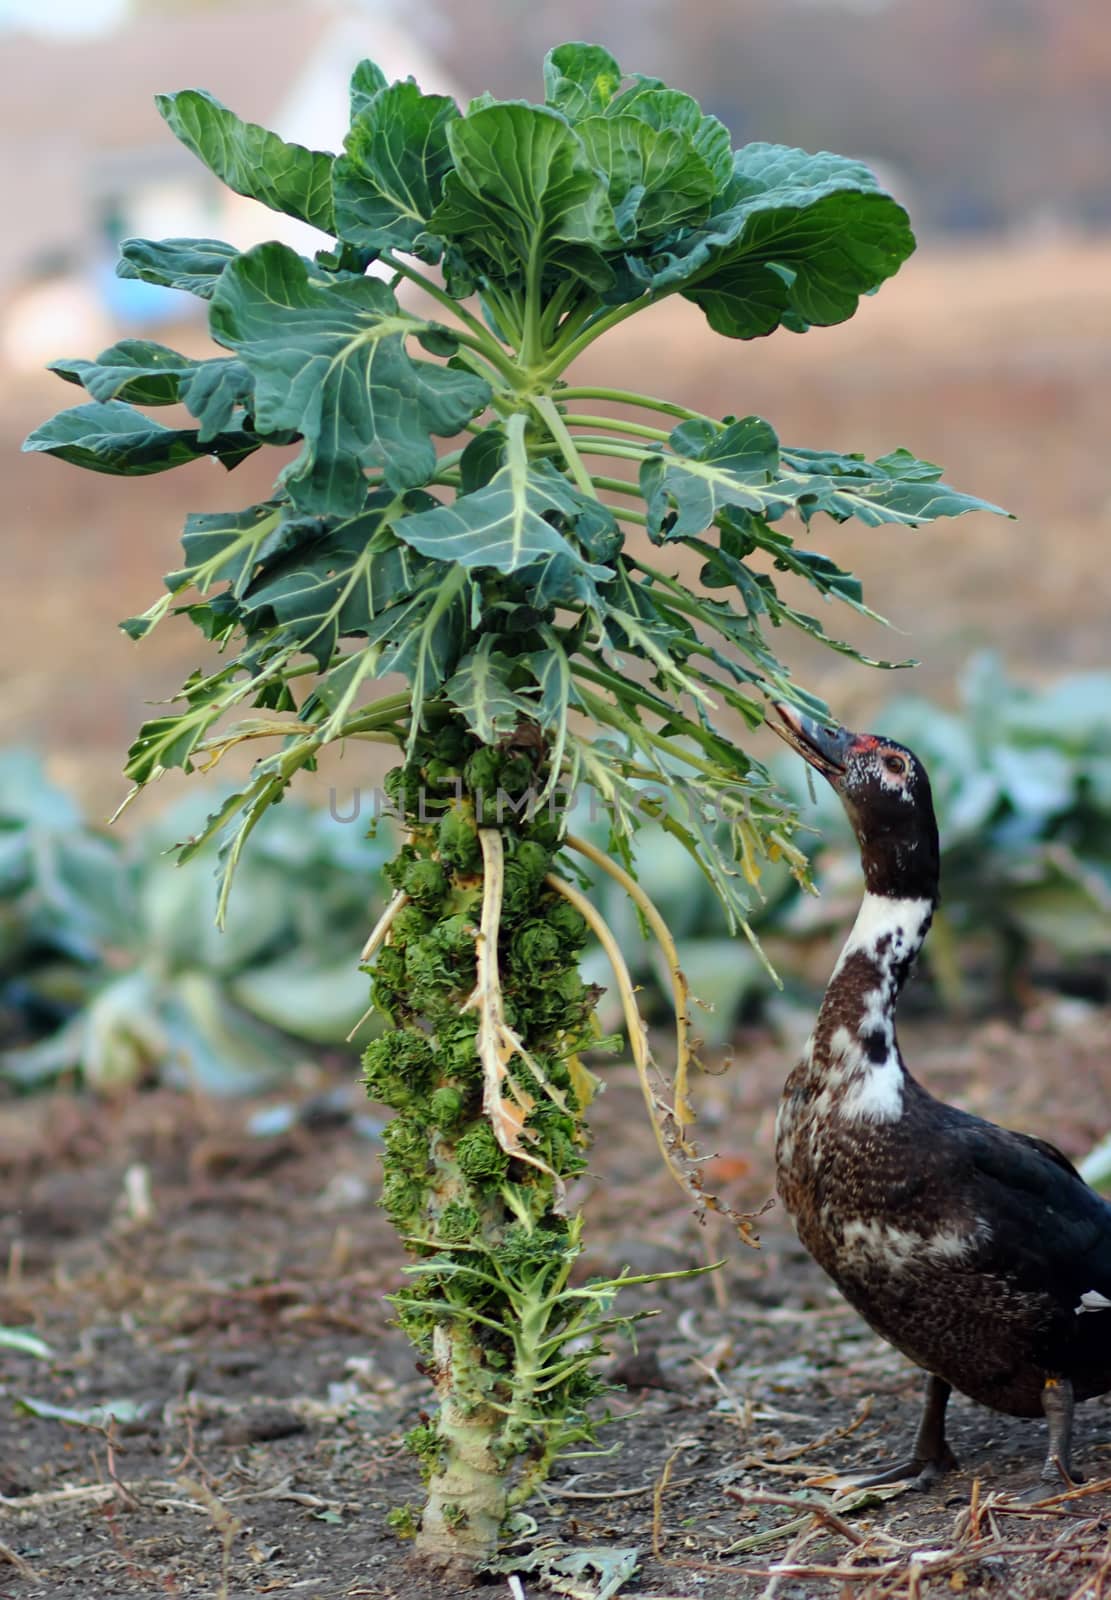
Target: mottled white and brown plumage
<point>979,1253</point>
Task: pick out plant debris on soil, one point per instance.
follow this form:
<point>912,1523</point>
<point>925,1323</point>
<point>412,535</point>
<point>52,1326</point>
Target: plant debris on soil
<point>231,1396</point>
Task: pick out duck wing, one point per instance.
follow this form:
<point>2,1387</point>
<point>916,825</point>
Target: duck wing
<point>1042,1227</point>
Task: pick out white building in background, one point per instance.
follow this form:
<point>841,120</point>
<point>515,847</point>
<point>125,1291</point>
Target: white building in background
<point>85,159</point>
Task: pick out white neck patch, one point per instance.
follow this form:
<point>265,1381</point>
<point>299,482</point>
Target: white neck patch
<point>902,921</point>
<point>873,1090</point>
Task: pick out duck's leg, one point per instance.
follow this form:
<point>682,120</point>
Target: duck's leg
<point>932,1457</point>
<point>1057,1403</point>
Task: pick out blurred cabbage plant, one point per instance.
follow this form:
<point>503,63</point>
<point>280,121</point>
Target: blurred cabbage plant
<point>109,950</point>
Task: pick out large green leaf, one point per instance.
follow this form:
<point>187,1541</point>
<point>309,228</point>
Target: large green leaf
<point>740,466</point>
<point>224,547</point>
<point>895,488</point>
<point>523,190</point>
<point>664,109</point>
<point>194,265</point>
<point>657,180</point>
<point>367,80</point>
<point>334,585</point>
<point>505,524</point>
<point>113,437</point>
<point>736,466</point>
<point>797,238</point>
<point>329,361</point>
<point>138,370</point>
<point>482,690</point>
<point>388,183</point>
<point>250,159</point>
<point>149,374</point>
<point>580,79</point>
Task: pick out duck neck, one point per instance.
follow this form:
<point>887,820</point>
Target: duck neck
<point>854,1042</point>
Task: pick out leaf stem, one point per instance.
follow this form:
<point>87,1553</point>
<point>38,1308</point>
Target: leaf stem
<point>628,397</point>
<point>545,407</point>
<point>566,353</point>
<point>616,425</point>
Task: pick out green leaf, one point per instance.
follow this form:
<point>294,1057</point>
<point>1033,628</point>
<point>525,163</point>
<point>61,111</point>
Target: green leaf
<point>503,525</point>
<point>26,1341</point>
<point>149,374</point>
<point>170,741</point>
<point>115,438</point>
<point>329,361</point>
<point>481,689</point>
<point>335,585</point>
<point>735,466</point>
<point>657,180</point>
<point>523,188</point>
<point>796,238</point>
<point>367,80</point>
<point>580,79</point>
<point>653,103</point>
<point>95,1416</point>
<point>213,392</point>
<point>194,265</point>
<point>223,547</point>
<point>137,370</point>
<point>895,488</point>
<point>389,182</point>
<point>250,159</point>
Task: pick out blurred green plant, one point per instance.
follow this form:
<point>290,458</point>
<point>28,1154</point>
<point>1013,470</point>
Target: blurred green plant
<point>109,949</point>
<point>1021,778</point>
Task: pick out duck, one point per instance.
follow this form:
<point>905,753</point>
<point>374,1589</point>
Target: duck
<point>977,1252</point>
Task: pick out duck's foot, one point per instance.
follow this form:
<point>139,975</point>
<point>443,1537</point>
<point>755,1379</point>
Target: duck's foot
<point>932,1457</point>
<point>1057,1403</point>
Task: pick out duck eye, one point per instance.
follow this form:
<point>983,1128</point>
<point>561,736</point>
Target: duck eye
<point>895,764</point>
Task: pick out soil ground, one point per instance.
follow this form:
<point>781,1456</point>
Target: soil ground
<point>236,1299</point>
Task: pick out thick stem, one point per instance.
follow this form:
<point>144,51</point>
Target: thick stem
<point>467,1494</point>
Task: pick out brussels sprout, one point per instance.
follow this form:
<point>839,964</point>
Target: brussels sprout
<point>398,1067</point>
<point>456,935</point>
<point>458,841</point>
<point>425,1443</point>
<point>568,923</point>
<point>403,1199</point>
<point>517,773</point>
<point>425,882</point>
<point>406,1142</point>
<point>451,743</point>
<point>526,1249</point>
<point>446,1108</point>
<point>458,1223</point>
<point>403,787</point>
<point>410,923</point>
<point>525,869</point>
<point>534,946</point>
<point>482,773</point>
<point>480,1156</point>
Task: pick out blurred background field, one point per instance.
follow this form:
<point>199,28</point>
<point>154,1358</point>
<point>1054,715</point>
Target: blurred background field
<point>990,352</point>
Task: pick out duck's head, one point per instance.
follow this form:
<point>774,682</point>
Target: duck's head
<point>885,791</point>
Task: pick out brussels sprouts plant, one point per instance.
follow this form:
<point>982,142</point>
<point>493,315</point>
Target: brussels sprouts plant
<point>503,607</point>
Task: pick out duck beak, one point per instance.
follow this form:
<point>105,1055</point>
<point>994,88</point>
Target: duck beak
<point>826,749</point>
